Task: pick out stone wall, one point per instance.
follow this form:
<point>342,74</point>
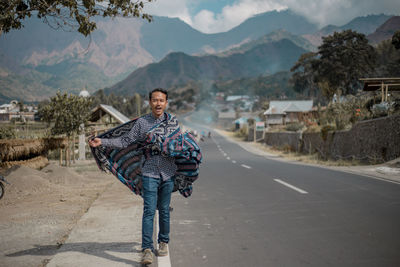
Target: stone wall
<point>290,140</point>
<point>250,136</point>
<point>375,140</point>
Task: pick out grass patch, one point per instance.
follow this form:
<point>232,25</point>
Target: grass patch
<point>307,158</point>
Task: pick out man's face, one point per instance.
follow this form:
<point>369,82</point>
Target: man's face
<point>158,103</point>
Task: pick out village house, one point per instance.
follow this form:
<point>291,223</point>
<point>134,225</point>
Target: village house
<point>243,119</point>
<point>12,111</point>
<point>225,119</point>
<point>283,112</point>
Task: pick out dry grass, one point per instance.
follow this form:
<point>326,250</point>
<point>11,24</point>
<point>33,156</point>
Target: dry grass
<point>306,158</point>
<point>34,163</point>
<point>15,149</point>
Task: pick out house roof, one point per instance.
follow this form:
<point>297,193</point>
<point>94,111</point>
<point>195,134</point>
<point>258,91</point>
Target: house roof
<point>227,115</point>
<point>121,118</point>
<point>281,107</point>
<point>236,97</point>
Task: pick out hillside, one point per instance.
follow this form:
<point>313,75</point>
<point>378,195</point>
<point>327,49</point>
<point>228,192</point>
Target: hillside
<point>274,86</point>
<point>268,38</point>
<point>66,61</point>
<point>180,68</point>
<point>175,35</point>
<point>40,61</point>
<point>385,31</point>
<point>366,25</point>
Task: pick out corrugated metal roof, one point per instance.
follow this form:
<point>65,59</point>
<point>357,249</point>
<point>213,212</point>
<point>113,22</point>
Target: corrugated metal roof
<point>227,115</point>
<point>281,107</point>
<point>115,113</point>
<point>236,97</point>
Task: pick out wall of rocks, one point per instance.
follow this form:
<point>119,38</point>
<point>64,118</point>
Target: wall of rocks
<point>376,140</point>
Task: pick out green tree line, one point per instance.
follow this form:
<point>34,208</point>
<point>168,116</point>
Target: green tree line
<point>341,60</point>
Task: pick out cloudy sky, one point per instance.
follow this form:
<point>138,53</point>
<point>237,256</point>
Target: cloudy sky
<point>211,16</point>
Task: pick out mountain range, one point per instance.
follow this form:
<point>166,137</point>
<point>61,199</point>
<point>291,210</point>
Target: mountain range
<point>179,68</point>
<point>131,54</point>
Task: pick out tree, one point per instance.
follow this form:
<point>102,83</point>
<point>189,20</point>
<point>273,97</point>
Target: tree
<point>21,106</point>
<point>303,74</point>
<point>344,58</point>
<point>396,39</point>
<point>388,60</point>
<point>66,113</point>
<point>69,14</point>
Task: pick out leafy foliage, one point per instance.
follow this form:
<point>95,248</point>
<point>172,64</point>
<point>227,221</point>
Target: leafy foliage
<point>396,39</point>
<point>294,127</point>
<point>6,133</point>
<point>67,112</point>
<point>67,14</point>
<point>388,60</point>
<point>303,78</point>
<point>344,58</point>
<point>342,115</point>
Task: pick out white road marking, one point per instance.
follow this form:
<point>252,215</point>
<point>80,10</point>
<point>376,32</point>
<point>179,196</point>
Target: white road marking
<point>228,158</point>
<point>247,167</point>
<point>233,161</point>
<point>164,261</point>
<point>225,154</point>
<point>291,186</point>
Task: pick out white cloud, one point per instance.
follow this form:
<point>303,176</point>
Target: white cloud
<point>232,15</point>
<point>170,8</point>
<point>340,12</point>
<point>322,12</point>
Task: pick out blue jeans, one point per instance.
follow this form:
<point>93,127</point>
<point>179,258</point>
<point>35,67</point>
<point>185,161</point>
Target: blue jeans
<point>156,194</point>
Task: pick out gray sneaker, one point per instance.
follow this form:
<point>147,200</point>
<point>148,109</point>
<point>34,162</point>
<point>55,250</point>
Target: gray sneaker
<point>147,257</point>
<point>162,249</point>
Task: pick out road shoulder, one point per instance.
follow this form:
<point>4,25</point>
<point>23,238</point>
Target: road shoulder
<point>384,171</point>
<point>109,234</point>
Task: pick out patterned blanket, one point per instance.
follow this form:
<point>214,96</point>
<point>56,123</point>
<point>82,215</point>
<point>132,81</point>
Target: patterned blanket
<point>166,139</point>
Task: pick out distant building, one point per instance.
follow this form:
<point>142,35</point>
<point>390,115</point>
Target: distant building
<point>233,98</point>
<point>11,107</point>
<point>84,93</point>
<point>105,114</point>
<point>282,112</point>
<point>244,117</point>
<point>225,119</point>
<point>11,111</point>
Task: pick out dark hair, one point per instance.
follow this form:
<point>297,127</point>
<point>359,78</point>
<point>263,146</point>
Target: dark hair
<point>158,90</point>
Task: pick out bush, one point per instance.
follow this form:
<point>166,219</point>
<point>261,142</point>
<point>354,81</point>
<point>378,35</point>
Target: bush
<point>294,127</point>
<point>7,133</point>
<point>345,114</point>
<point>243,132</point>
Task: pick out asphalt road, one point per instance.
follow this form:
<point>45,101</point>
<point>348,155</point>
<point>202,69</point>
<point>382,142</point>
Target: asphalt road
<point>247,210</point>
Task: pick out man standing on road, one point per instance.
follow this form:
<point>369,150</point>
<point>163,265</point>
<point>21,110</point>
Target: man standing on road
<point>157,176</point>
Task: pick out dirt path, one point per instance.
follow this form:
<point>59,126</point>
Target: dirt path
<point>40,208</point>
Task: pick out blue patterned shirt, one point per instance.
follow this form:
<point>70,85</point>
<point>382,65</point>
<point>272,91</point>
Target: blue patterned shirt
<point>155,166</point>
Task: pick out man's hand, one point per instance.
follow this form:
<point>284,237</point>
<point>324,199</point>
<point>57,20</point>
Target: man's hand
<point>95,142</point>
